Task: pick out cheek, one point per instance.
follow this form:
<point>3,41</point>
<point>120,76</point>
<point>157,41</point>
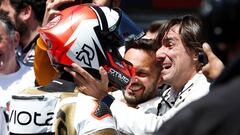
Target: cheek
<point>11,49</point>
<point>147,81</point>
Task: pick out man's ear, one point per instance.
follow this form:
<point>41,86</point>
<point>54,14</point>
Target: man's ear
<point>195,57</point>
<point>16,39</point>
<point>26,13</point>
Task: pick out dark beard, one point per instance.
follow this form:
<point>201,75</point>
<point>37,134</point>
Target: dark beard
<point>144,97</point>
<point>22,28</point>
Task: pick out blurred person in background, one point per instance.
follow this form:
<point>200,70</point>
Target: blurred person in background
<point>6,6</point>
<point>152,29</point>
<point>14,76</point>
<point>28,18</point>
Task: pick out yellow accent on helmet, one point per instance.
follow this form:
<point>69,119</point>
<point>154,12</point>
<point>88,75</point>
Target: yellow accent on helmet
<point>43,69</point>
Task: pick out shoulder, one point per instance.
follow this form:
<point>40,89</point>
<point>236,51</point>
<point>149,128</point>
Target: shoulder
<point>87,114</point>
<point>89,105</point>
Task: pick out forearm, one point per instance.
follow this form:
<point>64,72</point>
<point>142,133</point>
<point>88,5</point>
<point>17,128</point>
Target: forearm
<point>133,121</point>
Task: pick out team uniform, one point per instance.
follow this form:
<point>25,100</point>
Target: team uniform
<point>56,109</point>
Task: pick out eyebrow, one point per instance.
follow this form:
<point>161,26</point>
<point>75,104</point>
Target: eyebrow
<point>170,38</point>
<point>167,39</point>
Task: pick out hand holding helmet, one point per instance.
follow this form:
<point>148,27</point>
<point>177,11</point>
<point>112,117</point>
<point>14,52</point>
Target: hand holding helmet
<point>90,36</point>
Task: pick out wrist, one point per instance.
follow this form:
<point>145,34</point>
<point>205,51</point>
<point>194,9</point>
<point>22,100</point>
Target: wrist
<point>108,100</point>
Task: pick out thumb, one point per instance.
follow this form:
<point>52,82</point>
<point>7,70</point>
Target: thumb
<point>207,50</point>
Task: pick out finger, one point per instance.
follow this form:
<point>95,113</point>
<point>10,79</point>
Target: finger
<point>57,3</point>
<point>69,70</point>
<point>82,72</point>
<point>78,78</point>
<point>51,14</point>
<point>208,51</point>
<point>205,69</point>
<point>104,76</point>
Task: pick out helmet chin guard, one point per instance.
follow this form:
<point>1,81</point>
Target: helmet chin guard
<point>90,37</point>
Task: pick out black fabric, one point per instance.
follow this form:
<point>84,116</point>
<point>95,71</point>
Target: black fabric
<point>215,114</point>
<point>108,100</point>
<point>33,134</point>
<point>102,18</point>
<point>102,110</point>
<point>59,85</point>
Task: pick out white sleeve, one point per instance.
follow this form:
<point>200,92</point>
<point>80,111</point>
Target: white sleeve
<point>133,121</point>
<point>92,116</point>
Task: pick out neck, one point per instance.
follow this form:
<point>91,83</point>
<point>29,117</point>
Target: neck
<point>30,33</point>
<point>14,67</point>
<point>178,85</point>
<point>27,38</point>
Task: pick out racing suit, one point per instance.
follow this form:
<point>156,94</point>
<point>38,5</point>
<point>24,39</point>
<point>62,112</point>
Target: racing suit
<point>57,109</point>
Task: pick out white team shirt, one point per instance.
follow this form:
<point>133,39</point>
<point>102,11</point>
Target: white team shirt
<point>15,82</point>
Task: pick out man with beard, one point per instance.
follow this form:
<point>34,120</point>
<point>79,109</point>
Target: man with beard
<point>143,91</point>
<point>28,16</point>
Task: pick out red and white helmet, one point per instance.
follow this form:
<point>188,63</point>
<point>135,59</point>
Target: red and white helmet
<point>90,36</point>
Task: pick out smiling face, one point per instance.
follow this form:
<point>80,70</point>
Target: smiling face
<point>7,52</point>
<point>177,60</point>
<point>144,84</point>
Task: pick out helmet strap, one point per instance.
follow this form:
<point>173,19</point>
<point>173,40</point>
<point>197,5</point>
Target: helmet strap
<point>103,18</point>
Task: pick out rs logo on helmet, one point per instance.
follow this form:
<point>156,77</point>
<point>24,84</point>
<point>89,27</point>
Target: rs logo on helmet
<point>86,55</point>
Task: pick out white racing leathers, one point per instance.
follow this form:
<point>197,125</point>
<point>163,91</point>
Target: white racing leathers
<point>60,113</point>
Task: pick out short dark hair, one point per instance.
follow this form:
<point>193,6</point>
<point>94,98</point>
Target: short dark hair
<point>147,45</point>
<point>144,44</point>
<point>38,7</point>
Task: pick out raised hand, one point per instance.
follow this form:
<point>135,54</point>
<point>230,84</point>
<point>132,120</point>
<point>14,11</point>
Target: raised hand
<point>87,84</point>
<point>214,66</point>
